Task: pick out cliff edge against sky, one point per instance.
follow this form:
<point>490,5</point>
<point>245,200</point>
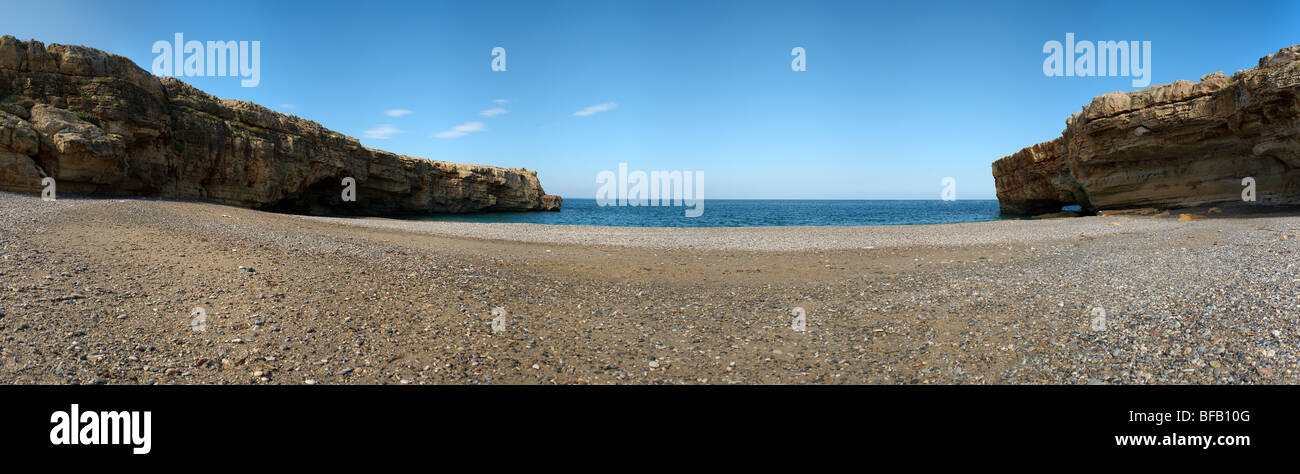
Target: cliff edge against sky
<point>100,125</point>
<point>1172,145</point>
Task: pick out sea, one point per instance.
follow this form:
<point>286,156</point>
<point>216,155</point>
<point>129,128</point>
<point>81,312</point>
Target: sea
<point>751,213</point>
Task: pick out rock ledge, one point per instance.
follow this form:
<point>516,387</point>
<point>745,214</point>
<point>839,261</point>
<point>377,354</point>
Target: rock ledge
<point>101,125</point>
<point>1173,145</point>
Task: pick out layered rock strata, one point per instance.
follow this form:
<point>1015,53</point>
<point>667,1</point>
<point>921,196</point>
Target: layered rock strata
<point>1173,145</point>
<point>100,125</point>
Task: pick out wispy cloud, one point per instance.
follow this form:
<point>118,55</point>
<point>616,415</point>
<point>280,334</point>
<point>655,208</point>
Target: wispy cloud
<point>288,106</point>
<point>397,112</point>
<point>595,109</point>
<point>501,101</point>
<point>493,112</point>
<point>383,132</point>
<point>461,130</point>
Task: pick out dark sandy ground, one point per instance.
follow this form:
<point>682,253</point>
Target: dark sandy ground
<point>105,291</point>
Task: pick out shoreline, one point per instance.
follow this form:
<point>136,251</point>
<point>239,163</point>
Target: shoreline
<point>802,238</point>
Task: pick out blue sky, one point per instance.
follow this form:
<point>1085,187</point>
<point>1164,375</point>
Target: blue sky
<point>895,97</point>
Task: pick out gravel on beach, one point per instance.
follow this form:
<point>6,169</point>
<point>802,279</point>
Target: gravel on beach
<point>773,238</point>
<point>142,291</point>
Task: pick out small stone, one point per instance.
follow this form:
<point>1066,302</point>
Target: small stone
<point>309,382</point>
<point>346,371</point>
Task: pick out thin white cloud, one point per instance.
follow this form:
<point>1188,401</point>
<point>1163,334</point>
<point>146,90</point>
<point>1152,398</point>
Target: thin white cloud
<point>595,109</point>
<point>501,101</point>
<point>461,130</point>
<point>493,112</point>
<point>288,106</point>
<point>397,112</point>
<point>383,132</point>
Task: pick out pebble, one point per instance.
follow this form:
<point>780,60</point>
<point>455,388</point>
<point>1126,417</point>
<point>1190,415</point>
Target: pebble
<point>999,312</point>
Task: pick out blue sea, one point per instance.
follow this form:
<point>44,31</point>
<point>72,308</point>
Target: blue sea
<point>751,213</point>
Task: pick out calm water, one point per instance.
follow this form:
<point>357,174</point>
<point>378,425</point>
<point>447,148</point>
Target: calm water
<point>752,213</point>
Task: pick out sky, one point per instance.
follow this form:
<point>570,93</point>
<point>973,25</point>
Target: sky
<point>895,96</point>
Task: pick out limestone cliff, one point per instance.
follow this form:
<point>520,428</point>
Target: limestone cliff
<point>101,125</point>
<point>1171,145</point>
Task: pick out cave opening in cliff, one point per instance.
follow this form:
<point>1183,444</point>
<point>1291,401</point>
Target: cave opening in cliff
<point>323,197</point>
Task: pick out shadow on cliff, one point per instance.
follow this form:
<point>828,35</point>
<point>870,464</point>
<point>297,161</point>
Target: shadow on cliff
<point>323,198</point>
<point>1195,212</point>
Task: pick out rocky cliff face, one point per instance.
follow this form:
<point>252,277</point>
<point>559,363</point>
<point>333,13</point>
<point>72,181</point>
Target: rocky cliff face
<point>101,125</point>
<point>1173,145</point>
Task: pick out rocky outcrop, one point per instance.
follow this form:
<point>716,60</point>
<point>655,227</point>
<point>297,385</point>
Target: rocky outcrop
<point>101,125</point>
<point>1172,145</point>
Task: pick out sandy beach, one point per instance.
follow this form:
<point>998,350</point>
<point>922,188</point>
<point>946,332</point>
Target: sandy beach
<point>104,291</point>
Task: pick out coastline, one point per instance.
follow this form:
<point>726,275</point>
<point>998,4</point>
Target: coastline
<point>803,238</point>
